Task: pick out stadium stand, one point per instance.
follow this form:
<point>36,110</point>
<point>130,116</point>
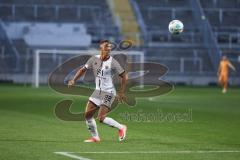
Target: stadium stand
<point>210,29</point>
<point>159,42</point>
<point>222,16</point>
<point>94,15</point>
<point>49,34</point>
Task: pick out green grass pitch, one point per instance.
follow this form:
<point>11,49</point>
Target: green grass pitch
<point>29,129</point>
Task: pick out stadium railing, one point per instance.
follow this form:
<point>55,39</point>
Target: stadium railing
<point>140,20</point>
<point>9,47</point>
<point>208,36</point>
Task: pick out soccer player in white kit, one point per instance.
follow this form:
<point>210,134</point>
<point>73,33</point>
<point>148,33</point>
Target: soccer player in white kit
<point>104,66</point>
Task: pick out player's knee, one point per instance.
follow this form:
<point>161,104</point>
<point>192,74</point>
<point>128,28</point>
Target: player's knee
<point>100,118</point>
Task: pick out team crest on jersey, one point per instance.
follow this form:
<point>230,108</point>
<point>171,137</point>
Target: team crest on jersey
<point>106,67</point>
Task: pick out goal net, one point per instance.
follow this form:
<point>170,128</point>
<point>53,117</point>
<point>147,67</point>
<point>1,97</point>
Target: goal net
<point>46,60</point>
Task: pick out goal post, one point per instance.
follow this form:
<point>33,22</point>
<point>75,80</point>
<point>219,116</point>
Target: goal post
<point>39,53</point>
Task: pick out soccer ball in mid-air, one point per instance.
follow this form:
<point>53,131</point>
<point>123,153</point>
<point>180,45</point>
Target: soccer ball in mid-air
<point>175,27</point>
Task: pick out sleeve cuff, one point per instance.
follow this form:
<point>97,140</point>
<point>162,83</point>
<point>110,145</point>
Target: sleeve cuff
<point>121,74</point>
<point>86,66</point>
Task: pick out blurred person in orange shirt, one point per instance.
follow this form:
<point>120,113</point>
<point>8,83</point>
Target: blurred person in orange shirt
<point>223,72</point>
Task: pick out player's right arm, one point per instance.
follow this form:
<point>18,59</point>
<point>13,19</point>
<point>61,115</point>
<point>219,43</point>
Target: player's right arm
<point>81,72</point>
<point>219,69</point>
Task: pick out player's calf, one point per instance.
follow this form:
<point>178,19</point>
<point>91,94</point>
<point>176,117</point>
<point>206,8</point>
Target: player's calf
<point>92,127</point>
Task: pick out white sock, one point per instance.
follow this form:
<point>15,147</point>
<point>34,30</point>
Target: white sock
<point>111,122</point>
<point>92,127</point>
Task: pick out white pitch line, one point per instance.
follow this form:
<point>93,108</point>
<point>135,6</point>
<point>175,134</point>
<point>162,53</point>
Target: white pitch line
<point>162,152</point>
<point>70,154</point>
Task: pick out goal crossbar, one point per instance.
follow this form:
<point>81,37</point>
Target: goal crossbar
<point>38,52</point>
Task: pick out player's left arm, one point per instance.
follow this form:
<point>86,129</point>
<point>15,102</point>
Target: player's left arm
<point>124,78</point>
<point>231,66</point>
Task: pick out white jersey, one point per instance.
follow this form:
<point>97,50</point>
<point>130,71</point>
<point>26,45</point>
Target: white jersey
<point>103,72</point>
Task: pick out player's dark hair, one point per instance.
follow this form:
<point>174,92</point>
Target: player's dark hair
<point>104,41</point>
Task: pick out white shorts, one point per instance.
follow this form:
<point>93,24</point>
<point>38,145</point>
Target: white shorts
<point>102,98</point>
